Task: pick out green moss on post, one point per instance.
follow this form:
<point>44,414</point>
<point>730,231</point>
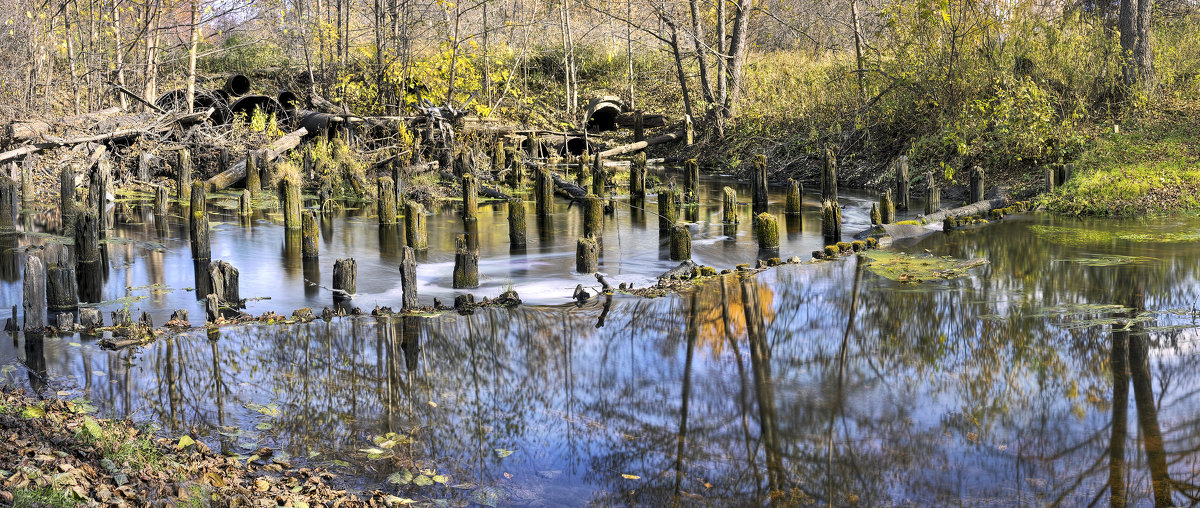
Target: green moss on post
<point>385,200</point>
<point>766,229</point>
<point>414,226</point>
<point>637,176</point>
<point>582,169</point>
<point>8,212</point>
<point>466,264</point>
<point>160,203</point>
<point>831,251</point>
<point>587,255</point>
<point>593,216</point>
<point>310,235</point>
<point>933,195</point>
<point>887,208</point>
<point>729,206</point>
<point>831,222</point>
<point>470,196</point>
<point>876,218</point>
<point>795,202</point>
<point>599,177</point>
<point>667,212</point>
<point>516,222</point>
<point>759,182</point>
<point>498,154</point>
<point>681,243</point>
<point>289,196</point>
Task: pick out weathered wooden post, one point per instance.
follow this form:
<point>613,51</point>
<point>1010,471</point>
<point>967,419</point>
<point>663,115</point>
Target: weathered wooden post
<point>34,294</point>
<point>759,181</point>
<point>386,200</point>
<point>691,179</point>
<point>593,216</point>
<point>160,202</point>
<point>98,196</point>
<point>183,175</point>
<point>198,220</point>
<point>8,199</point>
<point>689,130</point>
<point>408,277</point>
<point>470,197</point>
<point>795,203</point>
<point>498,154</point>
<point>61,290</point>
<point>668,214</point>
<point>87,238</point>
<point>681,242</point>
<point>637,177</point>
<point>397,172</point>
<point>933,194</point>
<point>902,184</point>
<point>245,206</point>
<point>887,208</point>
<point>414,226</point>
<point>1064,173</point>
<point>224,279</point>
<point>543,191</point>
<point>27,182</point>
<point>66,198</point>
<point>831,222</point>
<point>766,229</point>
<point>309,245</point>
<point>582,168</point>
<point>639,125</point>
<point>289,194</point>
<point>345,279</point>
<point>729,206</point>
<point>829,176</point>
<point>466,264</point>
<point>599,182</point>
<point>976,184</point>
<point>212,308</point>
<point>516,222</point>
<point>587,255</point>
<point>876,217</point>
<point>516,173</point>
<point>1049,177</point>
<point>253,178</point>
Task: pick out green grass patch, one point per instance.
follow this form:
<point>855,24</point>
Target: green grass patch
<point>1151,168</point>
<point>45,497</point>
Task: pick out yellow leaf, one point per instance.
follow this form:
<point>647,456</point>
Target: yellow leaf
<point>631,477</point>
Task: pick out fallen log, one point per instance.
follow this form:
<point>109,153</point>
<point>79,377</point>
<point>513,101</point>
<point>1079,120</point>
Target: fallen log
<point>237,171</point>
<point>573,190</point>
<point>35,130</point>
<point>165,123</point>
<point>484,190</point>
<point>976,208</point>
<point>641,145</point>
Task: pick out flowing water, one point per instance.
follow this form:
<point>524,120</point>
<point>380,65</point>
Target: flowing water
<point>1060,372</point>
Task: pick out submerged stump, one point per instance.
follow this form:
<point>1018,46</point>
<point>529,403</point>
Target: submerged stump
<point>681,243</point>
<point>795,203</point>
<point>34,294</point>
<point>516,222</point>
<point>386,200</point>
<point>62,293</point>
<point>758,181</point>
<point>766,229</point>
<point>587,255</point>
<point>729,206</point>
<point>466,264</point>
<point>831,222</point>
<point>310,236</point>
<point>414,226</point>
<point>224,279</point>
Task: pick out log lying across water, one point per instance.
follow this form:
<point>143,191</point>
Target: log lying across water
<point>976,208</point>
<point>640,145</point>
<point>238,171</point>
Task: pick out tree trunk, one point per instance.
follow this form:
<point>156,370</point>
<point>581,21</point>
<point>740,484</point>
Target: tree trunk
<point>737,53</point>
<point>195,39</point>
<point>698,42</point>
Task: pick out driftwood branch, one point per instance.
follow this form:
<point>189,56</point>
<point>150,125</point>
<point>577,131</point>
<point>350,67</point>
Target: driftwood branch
<point>641,145</point>
<point>975,208</point>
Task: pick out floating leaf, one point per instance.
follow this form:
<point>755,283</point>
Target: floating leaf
<point>500,452</point>
<point>432,404</point>
<point>92,427</point>
<point>342,463</point>
<point>631,477</point>
<point>247,445</point>
<point>423,481</point>
<point>33,412</point>
<point>402,477</point>
<point>263,426</point>
<point>393,500</point>
<point>374,453</point>
<point>184,442</point>
<point>441,478</point>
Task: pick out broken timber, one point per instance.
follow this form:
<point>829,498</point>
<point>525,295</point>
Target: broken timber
<point>238,171</point>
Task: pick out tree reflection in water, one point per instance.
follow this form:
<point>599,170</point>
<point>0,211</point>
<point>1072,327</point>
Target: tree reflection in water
<point>819,383</point>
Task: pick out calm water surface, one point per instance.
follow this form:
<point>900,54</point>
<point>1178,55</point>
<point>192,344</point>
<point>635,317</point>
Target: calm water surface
<point>1060,372</point>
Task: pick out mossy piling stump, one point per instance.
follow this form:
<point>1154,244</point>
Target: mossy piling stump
<point>253,178</point>
<point>681,242</point>
<point>8,198</point>
<point>593,216</point>
<point>310,236</point>
<point>902,184</point>
<point>345,279</point>
<point>33,291</point>
<point>183,175</point>
<point>795,201</point>
<point>198,221</point>
<point>691,179</point>
<point>831,222</point>
<point>587,255</point>
<point>887,208</point>
<point>470,196</point>
<point>289,196</point>
<point>766,230</point>
<point>668,214</point>
<point>408,277</point>
<point>599,182</point>
<point>637,176</point>
<point>516,222</point>
<point>245,204</point>
<point>729,206</point>
<point>161,205</point>
<point>976,184</point>
<point>414,226</point>
<point>759,181</point>
<point>829,176</point>
<point>543,191</point>
<point>386,200</point>
<point>933,194</point>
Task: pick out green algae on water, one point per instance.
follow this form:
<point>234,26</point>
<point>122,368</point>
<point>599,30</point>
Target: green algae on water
<point>909,268</point>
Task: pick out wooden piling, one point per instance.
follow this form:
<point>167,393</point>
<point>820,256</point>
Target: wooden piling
<point>516,173</point>
<point>1064,173</point>
<point>408,277</point>
<point>933,194</point>
<point>414,226</point>
<point>691,181</point>
<point>829,176</point>
<point>212,308</point>
<point>310,235</point>
<point>345,279</point>
<point>977,182</point>
<point>90,318</point>
<point>386,200</point>
<point>902,184</point>
<point>831,222</point>
<point>253,178</point>
<point>582,169</point>
<point>689,130</point>
<point>543,191</point>
<point>587,255</point>
<point>27,182</point>
<point>62,293</point>
<point>198,221</point>
<point>637,176</point>
<point>87,238</point>
<point>599,180</point>
<point>498,154</point>
<point>516,222</point>
<point>1049,178</point>
<point>105,175</point>
<point>795,201</point>
<point>668,213</point>
<point>887,207</point>
<point>729,206</point>
<point>183,175</point>
<point>34,294</point>
<point>639,126</point>
<point>160,202</point>
<point>876,217</point>
<point>67,207</point>
<point>224,279</point>
<point>593,216</point>
<point>759,181</point>
<point>289,194</point>
<point>8,199</point>
<point>466,264</point>
<point>766,230</point>
<point>245,204</point>
<point>470,197</point>
<point>681,242</point>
